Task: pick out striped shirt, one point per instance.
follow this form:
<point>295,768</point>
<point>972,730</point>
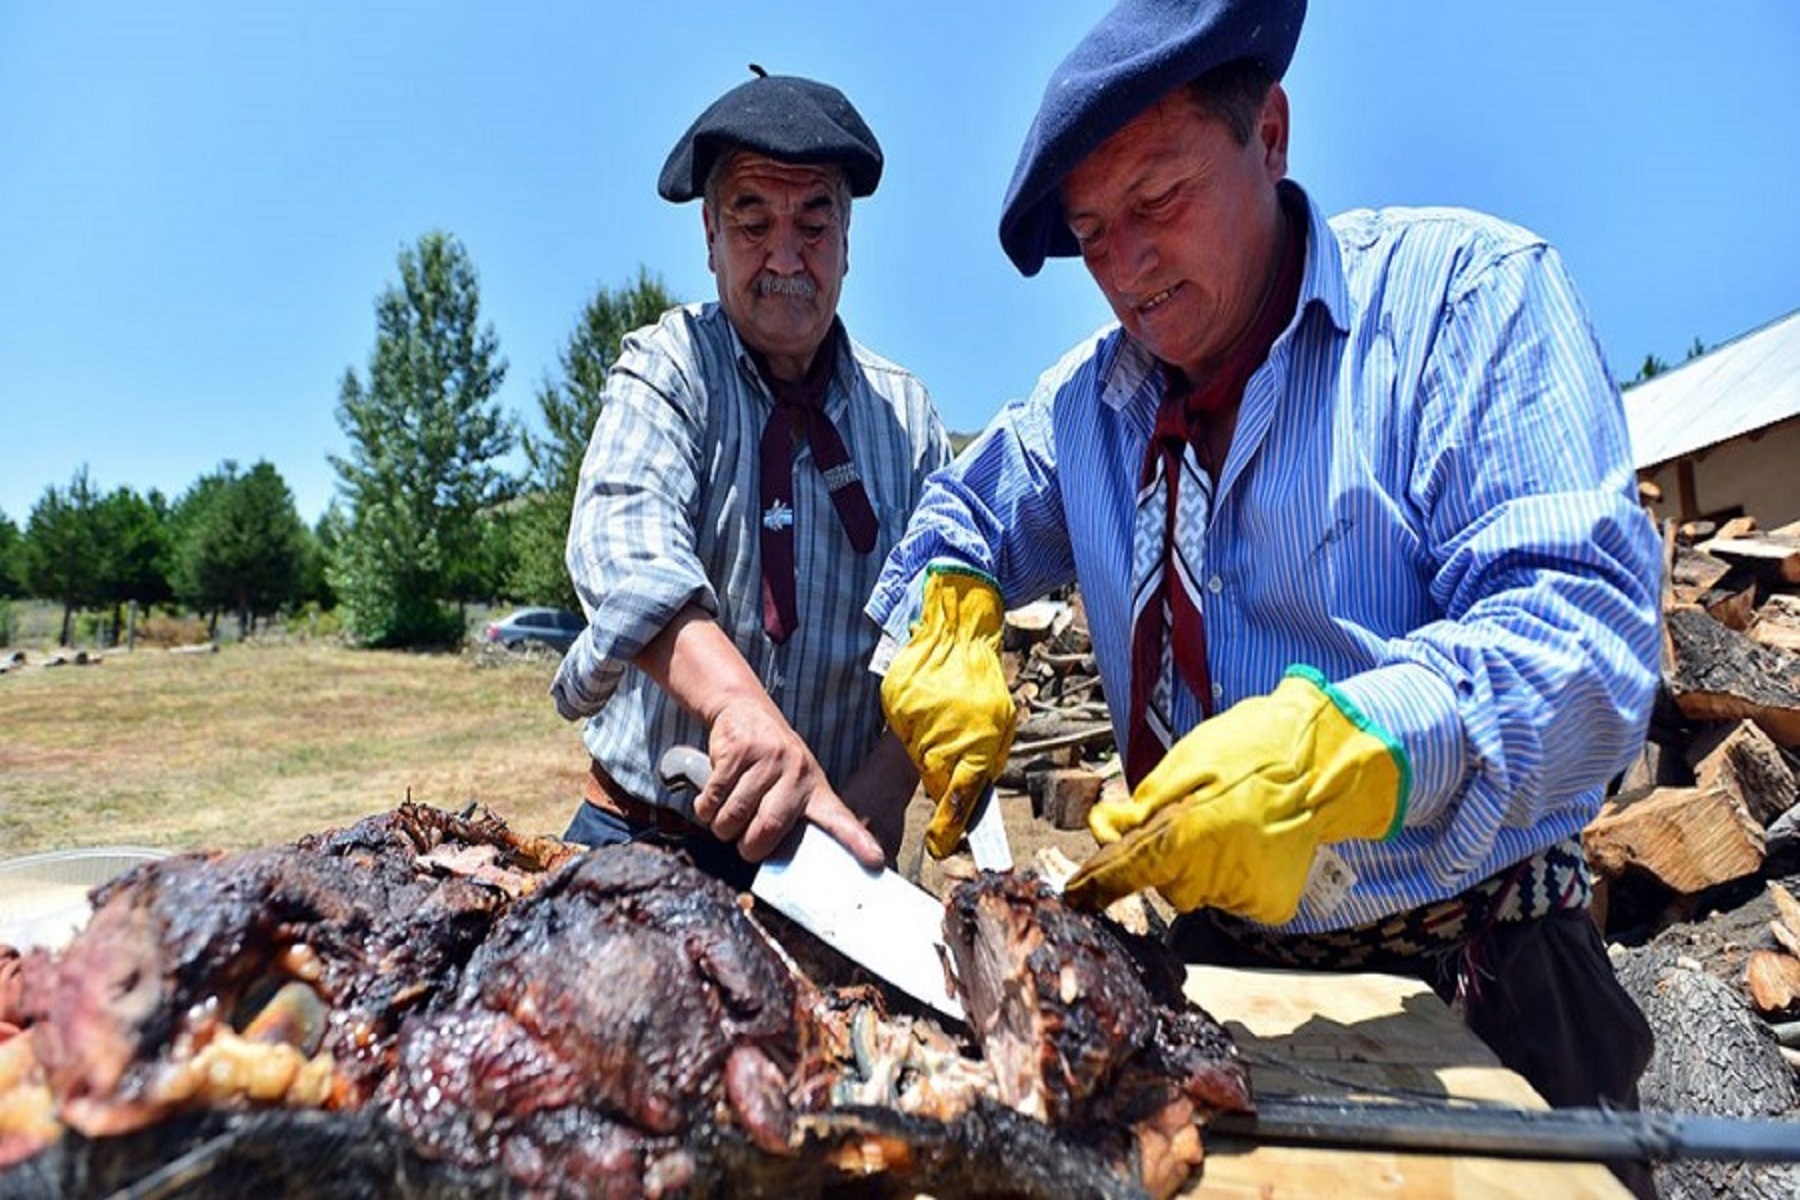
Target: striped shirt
<point>1429,497</point>
<point>665,516</point>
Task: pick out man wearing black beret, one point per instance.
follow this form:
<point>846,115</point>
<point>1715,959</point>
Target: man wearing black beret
<point>1353,517</point>
<point>751,468</point>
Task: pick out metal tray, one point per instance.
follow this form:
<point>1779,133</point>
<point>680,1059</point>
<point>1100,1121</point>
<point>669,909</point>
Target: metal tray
<point>44,897</point>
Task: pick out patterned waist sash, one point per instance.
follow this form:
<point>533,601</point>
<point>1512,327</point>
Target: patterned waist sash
<point>1553,880</point>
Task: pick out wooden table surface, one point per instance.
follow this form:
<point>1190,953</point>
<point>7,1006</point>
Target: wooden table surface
<point>1332,1034</point>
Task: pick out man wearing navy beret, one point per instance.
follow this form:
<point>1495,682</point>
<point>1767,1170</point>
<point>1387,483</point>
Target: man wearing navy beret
<point>1352,515</point>
<point>749,471</point>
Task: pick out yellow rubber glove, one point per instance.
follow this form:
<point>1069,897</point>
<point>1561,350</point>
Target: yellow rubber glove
<point>1232,815</point>
<point>946,698</point>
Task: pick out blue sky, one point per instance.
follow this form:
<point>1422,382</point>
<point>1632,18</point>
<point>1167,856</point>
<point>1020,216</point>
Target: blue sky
<point>200,202</point>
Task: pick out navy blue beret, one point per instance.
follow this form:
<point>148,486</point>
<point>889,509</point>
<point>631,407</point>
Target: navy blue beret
<point>1139,52</point>
<point>784,117</point>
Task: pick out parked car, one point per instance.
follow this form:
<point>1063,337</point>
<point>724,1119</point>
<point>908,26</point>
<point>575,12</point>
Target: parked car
<point>553,627</point>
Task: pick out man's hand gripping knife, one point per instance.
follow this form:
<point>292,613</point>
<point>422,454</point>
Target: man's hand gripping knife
<point>946,698</point>
<point>1232,816</point>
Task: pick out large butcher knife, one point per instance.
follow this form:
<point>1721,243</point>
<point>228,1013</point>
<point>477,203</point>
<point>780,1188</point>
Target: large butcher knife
<point>987,834</point>
<point>877,919</point>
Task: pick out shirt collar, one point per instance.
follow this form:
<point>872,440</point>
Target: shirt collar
<point>1125,364</point>
<point>841,376</point>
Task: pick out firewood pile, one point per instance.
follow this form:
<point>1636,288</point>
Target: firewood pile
<point>1696,854</point>
<point>1711,800</point>
<point>1063,754</point>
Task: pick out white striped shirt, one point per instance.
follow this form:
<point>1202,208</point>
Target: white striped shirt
<point>1429,497</point>
<point>666,515</point>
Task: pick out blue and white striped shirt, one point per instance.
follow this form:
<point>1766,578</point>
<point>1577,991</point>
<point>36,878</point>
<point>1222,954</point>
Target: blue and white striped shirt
<point>666,515</point>
<point>1429,497</point>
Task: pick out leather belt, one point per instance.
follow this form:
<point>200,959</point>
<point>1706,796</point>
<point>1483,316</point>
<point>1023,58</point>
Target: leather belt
<point>603,792</point>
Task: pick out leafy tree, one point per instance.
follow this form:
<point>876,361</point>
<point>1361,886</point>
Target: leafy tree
<point>62,549</point>
<point>316,548</point>
<point>12,559</point>
<point>133,538</point>
<point>425,437</point>
<point>242,545</point>
<point>570,407</point>
<point>190,532</point>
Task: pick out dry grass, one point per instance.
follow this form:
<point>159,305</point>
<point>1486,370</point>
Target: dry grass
<point>257,745</point>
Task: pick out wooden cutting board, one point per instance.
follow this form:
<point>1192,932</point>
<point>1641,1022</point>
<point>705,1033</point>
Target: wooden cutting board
<point>1333,1034</point>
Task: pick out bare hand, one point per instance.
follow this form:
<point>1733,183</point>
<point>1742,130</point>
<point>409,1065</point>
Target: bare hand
<point>764,779</point>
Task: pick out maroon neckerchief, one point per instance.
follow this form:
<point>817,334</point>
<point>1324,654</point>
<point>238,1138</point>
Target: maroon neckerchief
<point>1182,419</point>
<point>801,404</point>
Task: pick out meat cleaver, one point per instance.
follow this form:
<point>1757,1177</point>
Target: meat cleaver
<point>877,919</point>
<point>987,834</point>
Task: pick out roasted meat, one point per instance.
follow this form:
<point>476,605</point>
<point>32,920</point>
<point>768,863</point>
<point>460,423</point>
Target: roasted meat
<point>1086,1028</point>
<point>627,1000</point>
<point>465,1012</point>
<point>275,976</point>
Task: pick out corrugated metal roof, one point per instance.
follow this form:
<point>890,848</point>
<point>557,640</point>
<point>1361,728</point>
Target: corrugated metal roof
<point>1749,383</point>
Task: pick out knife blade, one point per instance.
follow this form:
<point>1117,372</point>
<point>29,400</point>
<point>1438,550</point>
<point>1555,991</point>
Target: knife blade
<point>877,919</point>
<point>987,834</point>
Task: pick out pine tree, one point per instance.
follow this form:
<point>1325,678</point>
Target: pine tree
<point>425,437</point>
<point>569,409</point>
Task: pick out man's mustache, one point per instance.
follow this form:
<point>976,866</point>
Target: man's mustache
<point>786,285</point>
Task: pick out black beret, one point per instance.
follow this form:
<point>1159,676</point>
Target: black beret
<point>784,117</point>
<point>1139,52</point>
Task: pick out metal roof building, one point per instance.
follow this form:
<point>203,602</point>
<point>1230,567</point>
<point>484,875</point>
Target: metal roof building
<point>1720,434</point>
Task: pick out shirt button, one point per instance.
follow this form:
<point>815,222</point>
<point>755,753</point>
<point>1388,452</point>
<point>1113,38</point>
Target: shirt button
<point>1215,585</point>
<point>1218,691</point>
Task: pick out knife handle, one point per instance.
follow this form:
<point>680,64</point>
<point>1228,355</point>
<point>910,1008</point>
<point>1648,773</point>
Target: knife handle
<point>684,767</point>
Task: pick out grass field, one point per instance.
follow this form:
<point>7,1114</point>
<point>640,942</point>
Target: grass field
<point>256,745</point>
<point>263,742</point>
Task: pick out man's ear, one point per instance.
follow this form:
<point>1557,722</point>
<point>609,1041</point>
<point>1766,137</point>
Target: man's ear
<point>1272,131</point>
<point>706,223</point>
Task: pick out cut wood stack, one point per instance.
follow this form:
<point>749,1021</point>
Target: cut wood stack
<point>1063,753</point>
<point>1709,803</point>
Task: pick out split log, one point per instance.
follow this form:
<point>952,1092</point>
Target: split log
<point>1690,839</point>
<point>1697,569</point>
<point>1786,926</point>
<point>1743,760</point>
<point>1732,600</point>
<point>1770,556</point>
<point>1720,674</point>
<point>1064,797</point>
<point>1040,733</point>
<point>1777,623</point>
<point>1030,624</point>
<point>1773,980</point>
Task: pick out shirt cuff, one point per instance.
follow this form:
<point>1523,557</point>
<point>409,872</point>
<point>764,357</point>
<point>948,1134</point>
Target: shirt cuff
<point>1418,708</point>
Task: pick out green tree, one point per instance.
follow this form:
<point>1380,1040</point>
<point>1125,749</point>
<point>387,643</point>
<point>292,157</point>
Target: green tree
<point>62,549</point>
<point>242,545</point>
<point>569,407</point>
<point>133,537</point>
<point>316,550</point>
<point>12,559</point>
<point>190,534</point>
<point>425,438</point>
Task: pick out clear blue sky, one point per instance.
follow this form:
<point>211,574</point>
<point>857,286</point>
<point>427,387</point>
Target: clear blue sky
<point>199,202</point>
